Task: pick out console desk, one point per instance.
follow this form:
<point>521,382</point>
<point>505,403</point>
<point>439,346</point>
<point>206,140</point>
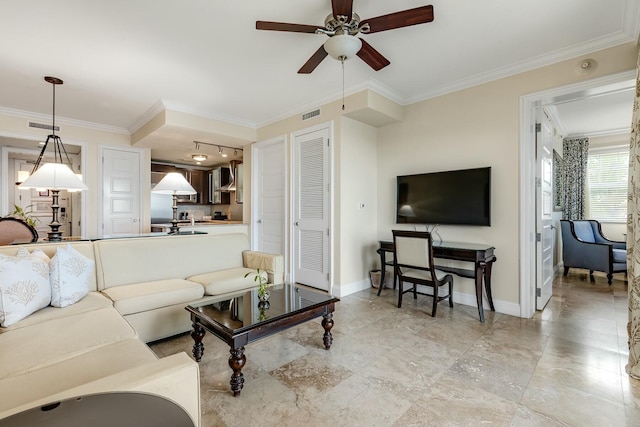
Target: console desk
<point>481,255</point>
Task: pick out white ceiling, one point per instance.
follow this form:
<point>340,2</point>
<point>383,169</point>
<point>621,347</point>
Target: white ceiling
<point>120,58</point>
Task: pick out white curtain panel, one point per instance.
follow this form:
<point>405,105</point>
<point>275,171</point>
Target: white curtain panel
<point>633,238</point>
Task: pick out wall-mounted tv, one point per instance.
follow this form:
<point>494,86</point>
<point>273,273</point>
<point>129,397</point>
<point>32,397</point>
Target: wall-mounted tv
<point>459,197</point>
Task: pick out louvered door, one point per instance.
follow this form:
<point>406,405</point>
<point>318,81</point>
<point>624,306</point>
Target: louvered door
<point>311,208</point>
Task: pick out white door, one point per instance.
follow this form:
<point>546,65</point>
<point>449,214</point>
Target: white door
<point>269,182</point>
<point>311,250</point>
<point>120,192</point>
<point>544,209</point>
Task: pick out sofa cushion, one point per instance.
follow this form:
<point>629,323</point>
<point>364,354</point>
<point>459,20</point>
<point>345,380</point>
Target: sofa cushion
<point>70,276</point>
<point>119,263</point>
<point>223,281</point>
<point>36,384</point>
<point>24,286</point>
<point>93,301</point>
<point>128,299</point>
<point>50,342</point>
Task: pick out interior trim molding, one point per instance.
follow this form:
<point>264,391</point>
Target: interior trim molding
<point>60,121</point>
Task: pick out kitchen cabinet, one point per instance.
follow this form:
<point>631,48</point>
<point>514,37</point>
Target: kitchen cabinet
<point>239,171</point>
<point>196,177</point>
<point>218,178</point>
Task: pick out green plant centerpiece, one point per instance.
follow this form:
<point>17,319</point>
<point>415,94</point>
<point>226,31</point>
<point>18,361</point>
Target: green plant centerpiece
<point>262,279</point>
<point>24,214</point>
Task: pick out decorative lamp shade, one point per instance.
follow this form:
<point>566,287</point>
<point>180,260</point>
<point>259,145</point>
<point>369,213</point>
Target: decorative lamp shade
<point>54,176</point>
<point>342,46</point>
<point>174,183</point>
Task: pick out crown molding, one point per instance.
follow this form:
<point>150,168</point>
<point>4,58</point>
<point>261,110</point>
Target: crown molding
<point>528,65</point>
<point>46,118</point>
<point>153,111</point>
<point>608,132</point>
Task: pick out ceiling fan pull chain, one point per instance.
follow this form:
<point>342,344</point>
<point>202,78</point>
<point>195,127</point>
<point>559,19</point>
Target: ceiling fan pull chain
<point>342,62</point>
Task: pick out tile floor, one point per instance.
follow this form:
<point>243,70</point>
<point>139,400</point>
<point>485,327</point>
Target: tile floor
<point>400,367</point>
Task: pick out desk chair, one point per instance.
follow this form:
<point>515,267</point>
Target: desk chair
<point>14,229</point>
<point>413,263</point>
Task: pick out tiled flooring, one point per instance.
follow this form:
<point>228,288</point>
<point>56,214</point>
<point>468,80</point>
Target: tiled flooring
<point>400,367</point>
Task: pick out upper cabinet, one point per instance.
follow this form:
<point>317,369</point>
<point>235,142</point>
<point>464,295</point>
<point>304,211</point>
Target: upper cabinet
<point>218,178</point>
<point>196,177</point>
<point>239,175</point>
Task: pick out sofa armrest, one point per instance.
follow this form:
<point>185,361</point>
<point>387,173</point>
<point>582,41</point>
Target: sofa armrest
<point>272,263</point>
<point>174,377</point>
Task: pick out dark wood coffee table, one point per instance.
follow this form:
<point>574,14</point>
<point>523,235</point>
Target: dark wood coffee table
<point>244,319</point>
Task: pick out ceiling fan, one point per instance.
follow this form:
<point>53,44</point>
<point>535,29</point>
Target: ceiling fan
<point>342,25</point>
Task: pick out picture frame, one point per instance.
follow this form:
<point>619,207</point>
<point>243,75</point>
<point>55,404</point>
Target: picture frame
<point>558,165</point>
<point>44,193</point>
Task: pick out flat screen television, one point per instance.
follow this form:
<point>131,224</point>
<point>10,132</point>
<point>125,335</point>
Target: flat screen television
<point>458,197</point>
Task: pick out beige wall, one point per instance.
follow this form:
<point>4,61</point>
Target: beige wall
<point>479,127</point>
<point>358,195</point>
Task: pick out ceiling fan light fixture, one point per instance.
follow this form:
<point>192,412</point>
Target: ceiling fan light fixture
<point>342,46</point>
<point>199,157</point>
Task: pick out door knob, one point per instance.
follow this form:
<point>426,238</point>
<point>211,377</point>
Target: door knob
<point>259,221</point>
<point>297,223</point>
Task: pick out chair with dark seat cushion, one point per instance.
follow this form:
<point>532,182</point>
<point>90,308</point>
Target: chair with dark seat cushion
<point>584,246</point>
<point>16,230</point>
<point>413,263</point>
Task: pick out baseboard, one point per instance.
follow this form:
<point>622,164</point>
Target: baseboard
<point>351,288</point>
<point>504,307</point>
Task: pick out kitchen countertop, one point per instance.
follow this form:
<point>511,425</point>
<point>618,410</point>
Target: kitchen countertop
<point>184,223</point>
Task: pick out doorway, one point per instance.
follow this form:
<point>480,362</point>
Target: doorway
<point>530,211</point>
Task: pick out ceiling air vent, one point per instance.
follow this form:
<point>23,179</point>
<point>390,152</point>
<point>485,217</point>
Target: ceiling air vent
<point>42,126</point>
<point>311,114</point>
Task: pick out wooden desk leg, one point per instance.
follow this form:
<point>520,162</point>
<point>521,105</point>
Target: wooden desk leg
<point>487,283</point>
<point>237,360</point>
<point>479,274</point>
<point>383,260</point>
<point>197,334</point>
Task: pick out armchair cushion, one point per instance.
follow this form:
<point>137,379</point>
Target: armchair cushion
<point>619,255</point>
<point>584,231</point>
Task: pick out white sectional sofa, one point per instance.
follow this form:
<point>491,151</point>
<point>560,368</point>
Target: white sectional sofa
<point>139,292</point>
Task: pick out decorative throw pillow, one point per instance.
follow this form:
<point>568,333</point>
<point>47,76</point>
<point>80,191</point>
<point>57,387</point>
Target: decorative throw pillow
<point>24,287</point>
<point>70,276</point>
<point>38,253</point>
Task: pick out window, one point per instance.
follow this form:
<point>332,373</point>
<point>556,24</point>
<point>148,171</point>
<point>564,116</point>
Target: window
<point>608,171</point>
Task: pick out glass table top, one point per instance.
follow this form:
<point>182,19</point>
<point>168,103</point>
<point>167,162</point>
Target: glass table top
<point>245,310</point>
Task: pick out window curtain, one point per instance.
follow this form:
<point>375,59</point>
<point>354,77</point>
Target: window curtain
<point>575,152</point>
<point>633,239</point>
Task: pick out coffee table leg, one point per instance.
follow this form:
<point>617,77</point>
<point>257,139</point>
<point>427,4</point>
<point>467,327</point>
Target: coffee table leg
<point>236,363</point>
<point>197,334</point>
<point>327,324</point>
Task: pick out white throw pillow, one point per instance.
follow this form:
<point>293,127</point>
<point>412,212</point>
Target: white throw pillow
<point>24,287</point>
<point>70,276</point>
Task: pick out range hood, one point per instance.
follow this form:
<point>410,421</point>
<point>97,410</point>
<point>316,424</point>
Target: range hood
<point>231,186</point>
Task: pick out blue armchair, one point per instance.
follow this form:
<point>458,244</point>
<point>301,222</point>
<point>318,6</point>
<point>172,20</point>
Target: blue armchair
<point>584,246</point>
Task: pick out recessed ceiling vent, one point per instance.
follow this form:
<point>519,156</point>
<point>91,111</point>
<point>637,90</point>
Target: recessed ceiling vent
<point>311,114</point>
<point>42,126</point>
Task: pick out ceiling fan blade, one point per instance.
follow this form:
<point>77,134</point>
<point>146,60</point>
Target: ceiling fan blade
<point>314,61</point>
<point>405,18</point>
<point>372,57</point>
<point>283,26</point>
<point>343,8</point>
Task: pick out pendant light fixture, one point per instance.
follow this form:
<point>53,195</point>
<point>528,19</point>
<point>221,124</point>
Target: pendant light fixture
<point>54,176</point>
